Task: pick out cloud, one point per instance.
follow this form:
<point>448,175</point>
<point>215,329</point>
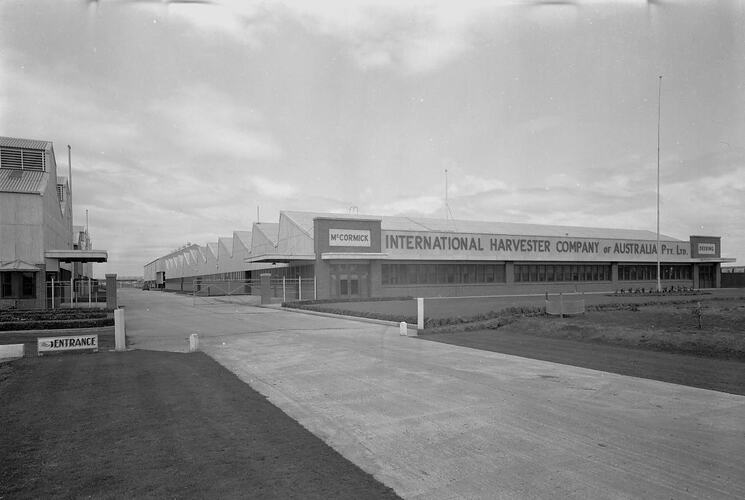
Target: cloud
<point>416,206</point>
<point>205,121</point>
<point>273,189</point>
<point>414,36</point>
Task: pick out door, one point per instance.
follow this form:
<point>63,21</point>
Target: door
<point>349,281</point>
<point>706,276</point>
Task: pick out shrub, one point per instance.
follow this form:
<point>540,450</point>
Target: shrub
<point>55,324</point>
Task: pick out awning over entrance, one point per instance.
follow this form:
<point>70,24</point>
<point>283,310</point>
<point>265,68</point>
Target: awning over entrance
<point>353,255</point>
<point>279,258</point>
<point>77,255</point>
<point>19,265</point>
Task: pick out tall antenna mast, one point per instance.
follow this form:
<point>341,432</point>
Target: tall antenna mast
<point>69,168</point>
<point>446,194</point>
<point>659,108</point>
<point>448,212</point>
<point>257,214</point>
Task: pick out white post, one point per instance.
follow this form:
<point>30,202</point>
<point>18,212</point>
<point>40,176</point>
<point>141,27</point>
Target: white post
<point>89,292</point>
<point>315,288</point>
<point>52,293</point>
<point>284,290</point>
<point>193,342</point>
<point>119,330</point>
<point>402,329</point>
<point>300,289</point>
<point>420,313</point>
<point>72,287</point>
<point>561,305</point>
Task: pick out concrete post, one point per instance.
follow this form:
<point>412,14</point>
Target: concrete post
<point>266,292</point>
<point>193,342</point>
<point>402,329</point>
<point>420,313</point>
<point>284,290</point>
<point>120,333</point>
<point>111,291</point>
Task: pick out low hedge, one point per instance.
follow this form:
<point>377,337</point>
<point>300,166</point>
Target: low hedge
<point>51,314</point>
<point>55,324</point>
<point>428,323</point>
<point>298,304</point>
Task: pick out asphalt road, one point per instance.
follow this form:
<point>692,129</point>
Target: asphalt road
<point>433,420</point>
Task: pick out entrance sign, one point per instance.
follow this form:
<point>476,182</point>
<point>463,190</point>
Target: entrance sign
<point>72,343</point>
<point>349,237</point>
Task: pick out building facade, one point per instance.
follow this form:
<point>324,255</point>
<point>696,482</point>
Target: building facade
<point>352,256</point>
<point>36,227</point>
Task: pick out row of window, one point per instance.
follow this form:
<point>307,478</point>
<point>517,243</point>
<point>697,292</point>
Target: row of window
<point>25,288</point>
<point>646,272</point>
<point>441,274</point>
<point>561,272</point>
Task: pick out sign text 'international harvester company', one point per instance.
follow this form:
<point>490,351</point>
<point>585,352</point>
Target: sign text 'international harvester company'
<point>547,247</point>
<point>349,238</point>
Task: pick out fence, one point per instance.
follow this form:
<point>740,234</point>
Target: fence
<point>249,291</point>
<point>85,293</point>
<point>562,306</point>
<point>291,289</point>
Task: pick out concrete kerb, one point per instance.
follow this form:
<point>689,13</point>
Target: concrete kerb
<point>411,328</point>
<point>10,352</point>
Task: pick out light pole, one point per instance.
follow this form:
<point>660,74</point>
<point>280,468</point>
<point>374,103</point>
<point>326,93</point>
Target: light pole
<point>659,106</point>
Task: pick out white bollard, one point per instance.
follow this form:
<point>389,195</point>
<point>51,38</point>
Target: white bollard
<point>402,329</point>
<point>119,330</point>
<point>420,314</point>
<point>193,342</point>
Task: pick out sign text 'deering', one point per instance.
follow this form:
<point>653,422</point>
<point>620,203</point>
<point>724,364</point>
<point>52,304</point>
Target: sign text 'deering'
<point>707,249</point>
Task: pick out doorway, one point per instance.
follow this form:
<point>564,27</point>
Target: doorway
<point>349,281</point>
<point>706,276</point>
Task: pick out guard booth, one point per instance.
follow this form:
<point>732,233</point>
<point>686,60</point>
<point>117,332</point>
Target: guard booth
<point>62,286</point>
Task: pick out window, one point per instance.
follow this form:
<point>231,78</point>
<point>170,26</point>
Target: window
<point>560,272</point>
<point>6,285</point>
<point>648,272</point>
<point>19,158</point>
<point>432,274</point>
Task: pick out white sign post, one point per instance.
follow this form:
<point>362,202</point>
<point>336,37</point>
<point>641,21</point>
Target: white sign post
<point>420,313</point>
<point>119,330</point>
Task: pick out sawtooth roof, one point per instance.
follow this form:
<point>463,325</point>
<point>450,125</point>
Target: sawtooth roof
<point>304,220</point>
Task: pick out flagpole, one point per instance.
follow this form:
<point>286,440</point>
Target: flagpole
<point>659,106</point>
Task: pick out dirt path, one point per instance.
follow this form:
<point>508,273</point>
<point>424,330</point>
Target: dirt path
<point>154,424</point>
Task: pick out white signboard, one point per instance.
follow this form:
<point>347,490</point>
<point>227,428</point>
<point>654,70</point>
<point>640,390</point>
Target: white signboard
<point>707,249</point>
<point>437,246</point>
<point>73,343</point>
<point>349,237</point>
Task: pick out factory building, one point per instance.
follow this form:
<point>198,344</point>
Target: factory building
<point>355,256</point>
<point>38,242</point>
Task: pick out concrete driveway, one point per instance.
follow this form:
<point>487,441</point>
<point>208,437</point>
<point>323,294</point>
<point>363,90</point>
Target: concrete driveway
<point>438,421</point>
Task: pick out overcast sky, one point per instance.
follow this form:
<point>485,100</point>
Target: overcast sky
<point>183,118</point>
